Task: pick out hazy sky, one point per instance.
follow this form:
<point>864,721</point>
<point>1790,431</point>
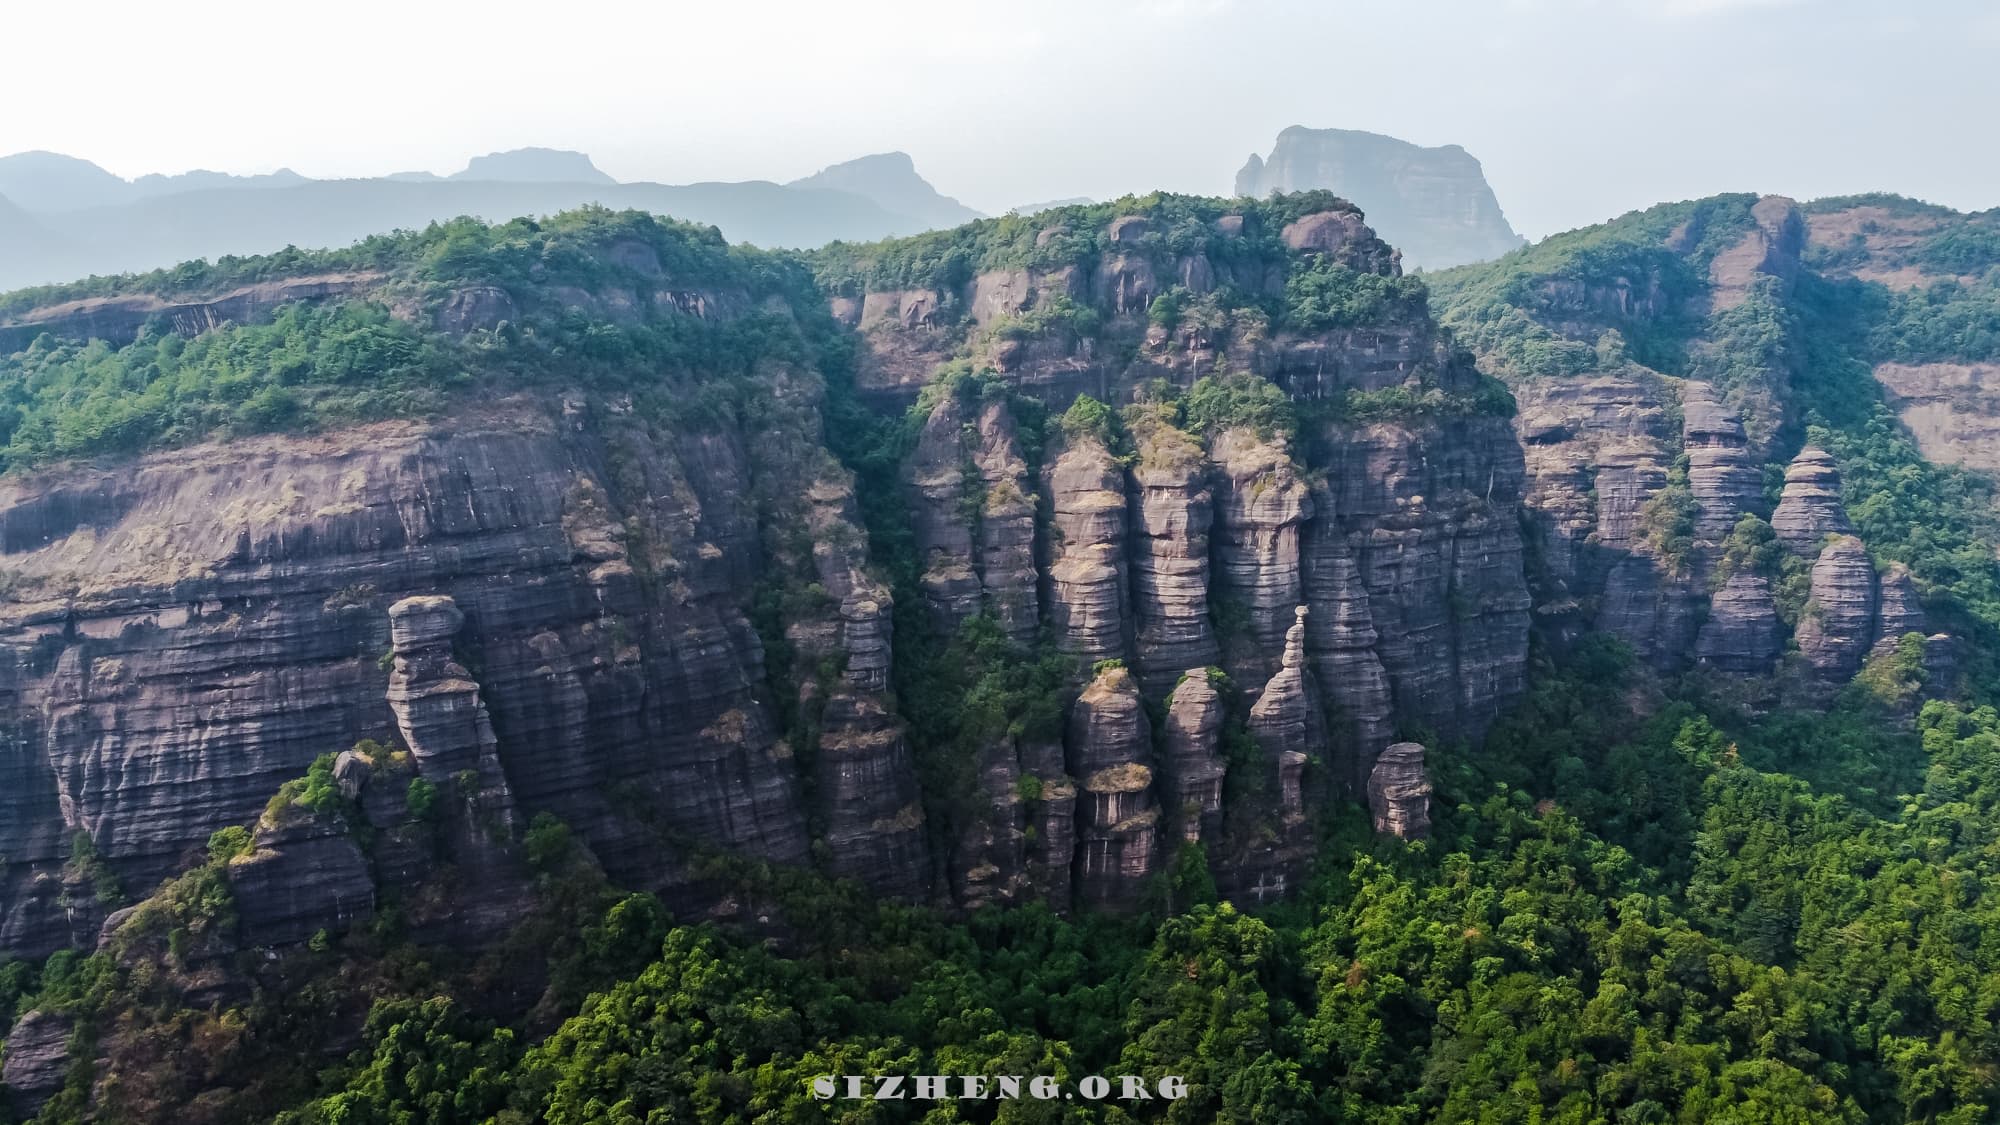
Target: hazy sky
<point>1579,109</point>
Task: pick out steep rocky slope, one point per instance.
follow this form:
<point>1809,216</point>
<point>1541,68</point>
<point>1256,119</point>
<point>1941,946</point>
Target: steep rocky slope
<point>1670,369</point>
<point>620,576</point>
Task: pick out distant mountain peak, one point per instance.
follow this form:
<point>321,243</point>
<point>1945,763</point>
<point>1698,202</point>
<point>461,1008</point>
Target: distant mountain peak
<point>535,166</point>
<point>1433,204</point>
<point>890,179</point>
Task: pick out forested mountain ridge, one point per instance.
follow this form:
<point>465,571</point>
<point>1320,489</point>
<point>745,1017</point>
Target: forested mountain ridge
<point>691,599</point>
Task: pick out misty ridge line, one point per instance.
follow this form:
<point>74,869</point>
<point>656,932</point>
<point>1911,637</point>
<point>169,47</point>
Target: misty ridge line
<point>64,218</point>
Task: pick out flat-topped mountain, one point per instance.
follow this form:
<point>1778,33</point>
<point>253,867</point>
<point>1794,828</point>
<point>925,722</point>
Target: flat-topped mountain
<point>1433,204</point>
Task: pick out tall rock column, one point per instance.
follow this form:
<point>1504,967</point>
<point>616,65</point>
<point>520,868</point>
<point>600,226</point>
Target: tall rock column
<point>1171,515</point>
<point>1723,476</point>
<point>868,798</point>
<point>1087,576</point>
<point>1111,755</point>
<point>1286,723</point>
<point>437,706</point>
<point>1194,755</point>
<point>935,480</point>
<point>1340,637</point>
<point>1261,503</point>
<point>1809,509</point>
<point>1399,792</point>
<point>1839,622</point>
<point>1006,558</point>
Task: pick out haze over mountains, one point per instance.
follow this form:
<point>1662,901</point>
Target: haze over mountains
<point>63,218</point>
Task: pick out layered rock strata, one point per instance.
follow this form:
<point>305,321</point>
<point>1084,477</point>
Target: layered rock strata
<point>1810,508</point>
<point>1399,792</point>
<point>1838,625</point>
<point>1118,817</point>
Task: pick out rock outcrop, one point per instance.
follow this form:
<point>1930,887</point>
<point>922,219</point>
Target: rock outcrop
<point>1087,578</point>
<point>1006,558</point>
<point>935,483</point>
<point>1742,635</point>
<point>1118,821</point>
<point>1341,638</point>
<point>1432,203</point>
<point>437,705</point>
<point>1285,721</point>
<point>1838,626</point>
<point>306,875</point>
<point>1723,475</point>
<point>1171,516</point>
<point>1898,610</point>
<point>1261,503</point>
<point>1399,792</point>
<point>37,1060</point>
<point>1195,767</point>
<point>1810,508</point>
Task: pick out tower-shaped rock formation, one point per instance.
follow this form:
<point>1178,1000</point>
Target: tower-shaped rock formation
<point>1171,514</point>
<point>437,706</point>
<point>1087,579</point>
<point>1111,757</point>
<point>1194,756</point>
<point>1839,623</point>
<point>1260,504</point>
<point>1809,509</point>
<point>1742,635</point>
<point>1722,474</point>
<point>1286,723</point>
<point>1399,792</point>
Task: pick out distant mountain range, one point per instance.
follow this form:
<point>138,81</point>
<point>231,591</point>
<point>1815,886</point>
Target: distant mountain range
<point>63,218</point>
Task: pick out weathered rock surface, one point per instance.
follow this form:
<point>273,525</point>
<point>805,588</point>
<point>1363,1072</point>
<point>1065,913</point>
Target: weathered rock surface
<point>1742,635</point>
<point>1341,638</point>
<point>1261,501</point>
<point>37,1060</point>
<point>1898,610</point>
<point>1723,475</point>
<point>1006,558</point>
<point>1952,409</point>
<point>1118,821</point>
<point>1838,626</point>
<point>437,705</point>
<point>1430,515</point>
<point>306,875</point>
<point>1195,767</point>
<point>1810,508</point>
<point>1286,722</point>
<point>189,632</point>
<point>1171,515</point>
<point>935,480</point>
<point>1771,248</point>
<point>1087,579</point>
<point>1432,203</point>
<point>1399,792</point>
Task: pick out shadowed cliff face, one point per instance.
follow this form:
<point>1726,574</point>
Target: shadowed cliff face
<point>669,631</point>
